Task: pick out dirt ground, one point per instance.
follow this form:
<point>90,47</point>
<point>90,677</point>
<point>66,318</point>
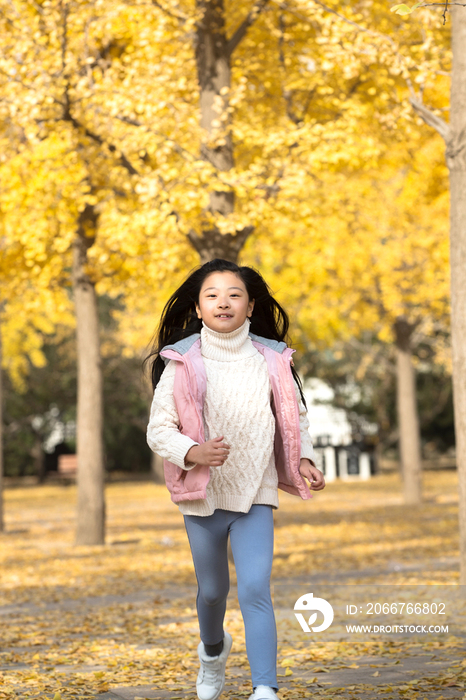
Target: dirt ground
<point>119,620</point>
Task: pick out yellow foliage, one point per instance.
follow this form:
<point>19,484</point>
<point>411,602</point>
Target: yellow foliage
<point>101,109</point>
<point>376,249</point>
<point>142,628</point>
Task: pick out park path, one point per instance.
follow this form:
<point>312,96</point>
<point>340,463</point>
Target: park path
<point>118,622</point>
<point>419,672</point>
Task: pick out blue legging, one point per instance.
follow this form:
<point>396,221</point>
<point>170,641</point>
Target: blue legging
<point>251,537</point>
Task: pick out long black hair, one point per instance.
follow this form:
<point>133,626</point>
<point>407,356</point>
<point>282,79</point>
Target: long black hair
<point>179,318</point>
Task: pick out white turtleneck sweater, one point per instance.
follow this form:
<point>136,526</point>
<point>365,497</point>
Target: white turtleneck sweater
<point>238,406</point>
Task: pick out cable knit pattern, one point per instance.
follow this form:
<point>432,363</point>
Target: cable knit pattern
<point>237,406</point>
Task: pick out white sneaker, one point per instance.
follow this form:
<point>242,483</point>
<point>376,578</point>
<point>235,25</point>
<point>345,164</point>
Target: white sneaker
<point>211,677</point>
<point>264,692</point>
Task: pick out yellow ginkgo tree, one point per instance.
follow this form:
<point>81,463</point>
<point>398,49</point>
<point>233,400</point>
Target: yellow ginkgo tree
<point>373,259</point>
<point>453,133</point>
<point>146,133</point>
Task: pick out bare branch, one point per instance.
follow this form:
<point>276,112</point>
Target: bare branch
<point>359,27</point>
<point>430,118</point>
<point>446,4</point>
<point>183,152</point>
<point>287,94</point>
<point>334,12</point>
<point>445,12</point>
<point>98,139</point>
<point>442,4</point>
<point>240,33</point>
<point>190,157</point>
<point>64,45</point>
<point>173,15</point>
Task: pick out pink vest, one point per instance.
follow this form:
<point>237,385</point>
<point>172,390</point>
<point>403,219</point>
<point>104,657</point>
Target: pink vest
<point>189,393</point>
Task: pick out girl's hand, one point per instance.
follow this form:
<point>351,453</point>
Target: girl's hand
<point>212,453</point>
<point>312,474</point>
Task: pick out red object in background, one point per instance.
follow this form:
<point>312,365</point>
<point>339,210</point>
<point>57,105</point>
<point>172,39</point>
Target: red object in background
<point>68,465</point>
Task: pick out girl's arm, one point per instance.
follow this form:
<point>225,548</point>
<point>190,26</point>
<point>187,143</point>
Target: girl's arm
<point>163,432</point>
<point>307,448</point>
<point>307,467</point>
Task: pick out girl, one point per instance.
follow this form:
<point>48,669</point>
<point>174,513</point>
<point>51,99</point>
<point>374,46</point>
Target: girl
<point>228,415</point>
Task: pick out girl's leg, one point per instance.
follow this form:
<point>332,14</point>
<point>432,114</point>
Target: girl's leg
<point>208,538</point>
<point>251,537</point>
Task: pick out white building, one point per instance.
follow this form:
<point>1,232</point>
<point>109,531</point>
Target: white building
<point>324,419</point>
<point>331,434</point>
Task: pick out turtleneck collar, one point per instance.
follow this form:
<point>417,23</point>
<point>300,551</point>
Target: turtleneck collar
<point>224,347</point>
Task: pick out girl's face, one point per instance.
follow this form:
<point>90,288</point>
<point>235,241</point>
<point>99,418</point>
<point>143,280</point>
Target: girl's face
<point>223,302</point>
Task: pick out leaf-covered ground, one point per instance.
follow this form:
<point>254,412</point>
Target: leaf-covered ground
<point>119,620</point>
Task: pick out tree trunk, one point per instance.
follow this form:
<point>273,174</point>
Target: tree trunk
<point>456,160</point>
<point>91,503</point>
<point>408,421</point>
<point>212,244</point>
<point>37,454</point>
<point>2,521</point>
<point>213,58</point>
<point>156,467</point>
